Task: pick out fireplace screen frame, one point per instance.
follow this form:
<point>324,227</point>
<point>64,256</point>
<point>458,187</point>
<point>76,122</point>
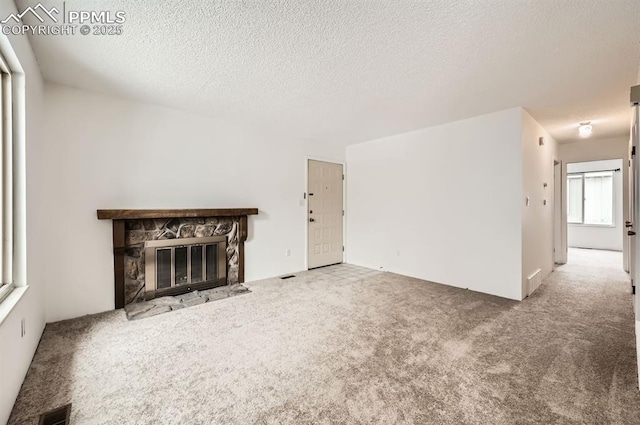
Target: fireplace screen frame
<point>151,250</point>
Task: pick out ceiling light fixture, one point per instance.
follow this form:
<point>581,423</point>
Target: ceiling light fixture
<point>585,129</point>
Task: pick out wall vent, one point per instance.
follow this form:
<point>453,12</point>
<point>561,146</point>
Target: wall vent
<point>534,281</point>
<point>59,416</point>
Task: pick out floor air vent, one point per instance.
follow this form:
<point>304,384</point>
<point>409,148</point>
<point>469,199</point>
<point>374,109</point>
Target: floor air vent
<point>58,416</point>
<point>288,277</point>
<point>534,281</point>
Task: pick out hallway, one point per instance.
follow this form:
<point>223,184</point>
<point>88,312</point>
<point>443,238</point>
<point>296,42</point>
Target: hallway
<point>596,259</point>
<point>589,302</point>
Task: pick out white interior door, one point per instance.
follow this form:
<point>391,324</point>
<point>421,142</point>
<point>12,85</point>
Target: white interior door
<point>634,252</point>
<point>324,213</point>
<point>630,225</point>
<point>634,189</point>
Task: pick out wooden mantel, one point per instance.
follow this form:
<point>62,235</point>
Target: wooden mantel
<point>181,213</point>
<point>119,218</point>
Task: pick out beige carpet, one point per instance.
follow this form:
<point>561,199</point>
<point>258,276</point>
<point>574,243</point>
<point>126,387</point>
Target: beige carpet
<point>384,349</point>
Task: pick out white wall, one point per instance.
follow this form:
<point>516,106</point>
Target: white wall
<point>441,204</point>
<point>537,218</point>
<point>595,149</point>
<point>16,352</point>
<point>107,152</point>
<point>600,237</point>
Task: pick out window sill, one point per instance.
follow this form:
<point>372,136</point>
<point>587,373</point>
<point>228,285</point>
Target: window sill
<point>605,226</point>
<point>7,305</point>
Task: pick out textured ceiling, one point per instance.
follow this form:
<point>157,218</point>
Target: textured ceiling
<point>350,71</point>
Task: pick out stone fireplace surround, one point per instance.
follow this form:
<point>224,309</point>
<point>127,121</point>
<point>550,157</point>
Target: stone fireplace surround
<point>132,228</point>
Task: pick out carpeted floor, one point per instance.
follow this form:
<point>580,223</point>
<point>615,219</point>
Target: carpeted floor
<point>384,349</point>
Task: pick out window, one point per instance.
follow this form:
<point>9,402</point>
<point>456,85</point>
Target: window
<point>574,198</point>
<point>590,198</point>
<point>6,179</point>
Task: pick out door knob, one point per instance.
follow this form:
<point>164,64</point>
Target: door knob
<point>311,220</point>
<point>631,233</point>
<point>628,224</point>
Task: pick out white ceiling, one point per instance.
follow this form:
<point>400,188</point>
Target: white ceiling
<point>350,71</point>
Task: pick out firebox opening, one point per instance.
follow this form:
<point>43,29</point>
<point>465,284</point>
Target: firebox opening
<point>177,266</point>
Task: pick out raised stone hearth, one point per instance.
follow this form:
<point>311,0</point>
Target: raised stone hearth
<point>144,309</point>
<point>133,228</point>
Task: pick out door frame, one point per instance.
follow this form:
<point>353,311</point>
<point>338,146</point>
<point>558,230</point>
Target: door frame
<point>625,200</point>
<point>559,216</point>
<point>306,205</point>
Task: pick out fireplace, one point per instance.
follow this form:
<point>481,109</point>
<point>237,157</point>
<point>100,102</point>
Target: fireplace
<point>182,265</point>
<point>170,252</point>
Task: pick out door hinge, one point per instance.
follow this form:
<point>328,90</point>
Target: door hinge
<point>343,213</point>
<point>343,177</point>
<point>343,248</point>
<point>633,151</point>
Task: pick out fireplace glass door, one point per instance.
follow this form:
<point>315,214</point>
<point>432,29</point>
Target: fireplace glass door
<point>184,262</point>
